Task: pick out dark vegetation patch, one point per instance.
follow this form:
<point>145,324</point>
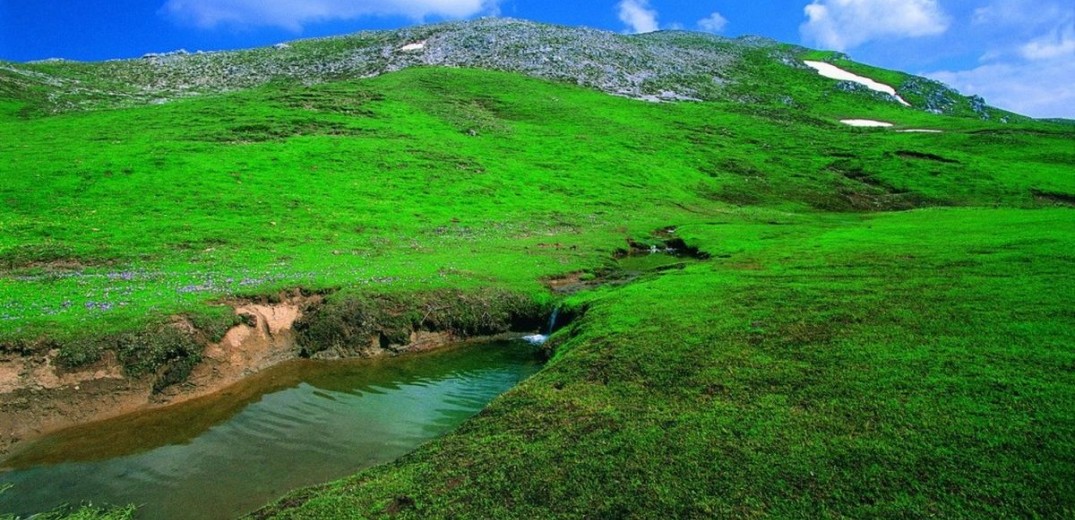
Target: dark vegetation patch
<point>329,99</point>
<point>705,134</point>
<point>663,252</point>
<point>1052,197</point>
<point>856,171</point>
<point>909,154</point>
<point>171,354</point>
<point>168,349</point>
<point>399,504</point>
<point>664,242</point>
<point>1022,131</point>
<point>165,351</point>
<point>274,298</point>
<point>46,255</point>
<point>738,167</point>
<point>865,192</point>
<point>277,129</point>
<point>349,322</point>
<point>735,193</point>
<point>28,346</point>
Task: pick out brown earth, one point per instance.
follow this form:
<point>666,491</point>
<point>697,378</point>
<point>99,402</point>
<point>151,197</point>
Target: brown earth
<point>37,397</point>
<point>570,283</point>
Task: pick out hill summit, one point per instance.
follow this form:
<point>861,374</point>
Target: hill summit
<point>660,66</point>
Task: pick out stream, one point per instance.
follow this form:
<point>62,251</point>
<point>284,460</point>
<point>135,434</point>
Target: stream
<point>294,425</point>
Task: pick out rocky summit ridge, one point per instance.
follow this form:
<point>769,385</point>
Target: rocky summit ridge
<point>660,66</point>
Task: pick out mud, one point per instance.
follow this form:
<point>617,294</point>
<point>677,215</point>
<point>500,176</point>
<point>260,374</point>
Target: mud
<point>570,283</point>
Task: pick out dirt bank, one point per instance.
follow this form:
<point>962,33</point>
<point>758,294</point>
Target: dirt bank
<point>38,396</point>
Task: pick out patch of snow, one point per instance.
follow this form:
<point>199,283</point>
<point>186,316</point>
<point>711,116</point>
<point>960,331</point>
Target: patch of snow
<point>920,131</point>
<point>675,96</point>
<point>833,72</point>
<point>536,339</point>
<point>661,97</point>
<point>411,47</point>
<point>865,123</point>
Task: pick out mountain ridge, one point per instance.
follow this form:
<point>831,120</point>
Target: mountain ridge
<point>659,66</point>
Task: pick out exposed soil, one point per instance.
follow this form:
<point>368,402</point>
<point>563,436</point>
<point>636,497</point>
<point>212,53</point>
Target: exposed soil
<point>570,283</point>
<point>264,339</point>
<point>37,397</point>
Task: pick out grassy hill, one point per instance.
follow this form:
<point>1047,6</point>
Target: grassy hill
<point>881,327</point>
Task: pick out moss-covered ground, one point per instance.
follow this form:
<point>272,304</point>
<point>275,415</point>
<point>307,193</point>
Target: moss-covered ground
<point>883,327</point>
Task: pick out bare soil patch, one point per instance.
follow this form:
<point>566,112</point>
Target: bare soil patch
<point>38,397</point>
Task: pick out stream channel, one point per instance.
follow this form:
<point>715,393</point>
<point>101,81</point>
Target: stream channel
<point>296,424</point>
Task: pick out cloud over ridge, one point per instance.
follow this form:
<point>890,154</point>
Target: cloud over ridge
<point>294,14</point>
<point>638,16</point>
<point>844,24</point>
<point>1032,71</point>
<point>713,23</point>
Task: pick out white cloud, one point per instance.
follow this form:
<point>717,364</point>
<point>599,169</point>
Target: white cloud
<point>1028,57</point>
<point>713,23</point>
<point>843,24</point>
<point>638,16</point>
<point>294,14</point>
<point>1060,43</point>
<point>1017,13</point>
<point>1043,88</point>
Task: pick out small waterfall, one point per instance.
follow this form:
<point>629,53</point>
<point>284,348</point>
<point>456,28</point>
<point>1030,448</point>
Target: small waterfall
<point>552,320</point>
<point>540,339</point>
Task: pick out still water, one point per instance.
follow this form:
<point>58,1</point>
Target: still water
<point>297,424</point>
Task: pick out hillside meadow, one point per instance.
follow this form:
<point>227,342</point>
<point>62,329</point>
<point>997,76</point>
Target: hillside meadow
<point>878,323</point>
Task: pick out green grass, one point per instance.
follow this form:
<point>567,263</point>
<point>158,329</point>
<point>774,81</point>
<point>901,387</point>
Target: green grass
<point>83,512</point>
<point>882,328</point>
<point>324,186</point>
<point>893,366</point>
<point>89,513</point>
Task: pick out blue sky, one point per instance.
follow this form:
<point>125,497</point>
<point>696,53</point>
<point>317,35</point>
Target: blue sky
<point>1018,54</point>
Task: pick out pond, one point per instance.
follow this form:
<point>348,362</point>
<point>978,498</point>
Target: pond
<point>297,424</point>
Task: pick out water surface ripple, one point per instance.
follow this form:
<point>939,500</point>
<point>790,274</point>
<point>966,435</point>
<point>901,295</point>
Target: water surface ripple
<point>297,424</point>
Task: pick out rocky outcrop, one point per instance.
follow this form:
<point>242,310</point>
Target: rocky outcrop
<point>667,66</point>
<point>660,66</point>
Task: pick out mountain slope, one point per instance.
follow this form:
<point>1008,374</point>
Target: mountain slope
<point>233,182</point>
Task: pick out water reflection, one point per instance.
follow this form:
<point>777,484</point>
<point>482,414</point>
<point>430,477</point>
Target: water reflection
<point>297,424</point>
